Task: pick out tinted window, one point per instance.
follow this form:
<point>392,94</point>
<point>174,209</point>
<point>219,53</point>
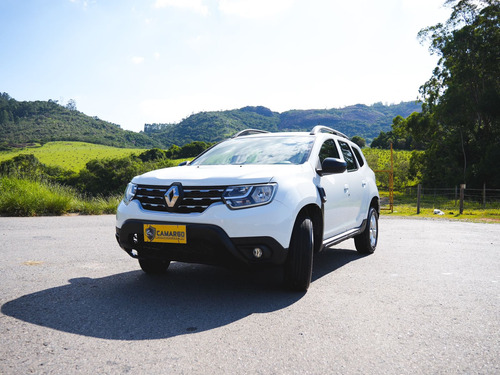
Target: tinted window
<point>348,156</point>
<point>328,150</point>
<point>358,156</point>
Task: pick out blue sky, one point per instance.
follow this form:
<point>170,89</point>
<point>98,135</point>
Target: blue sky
<point>133,62</point>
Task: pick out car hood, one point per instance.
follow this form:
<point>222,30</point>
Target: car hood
<point>218,175</point>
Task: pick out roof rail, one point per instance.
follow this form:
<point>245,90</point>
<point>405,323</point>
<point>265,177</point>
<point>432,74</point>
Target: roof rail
<point>248,132</point>
<point>324,129</point>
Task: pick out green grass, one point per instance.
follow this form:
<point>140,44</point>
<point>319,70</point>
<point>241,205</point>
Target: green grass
<point>71,155</point>
<point>33,198</point>
<point>407,206</point>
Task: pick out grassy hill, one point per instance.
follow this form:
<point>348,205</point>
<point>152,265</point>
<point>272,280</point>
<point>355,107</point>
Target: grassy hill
<point>46,121</point>
<point>70,155</point>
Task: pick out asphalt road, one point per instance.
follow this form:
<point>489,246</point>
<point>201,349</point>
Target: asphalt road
<point>427,302</point>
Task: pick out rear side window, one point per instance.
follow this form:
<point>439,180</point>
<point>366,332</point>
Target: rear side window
<point>357,152</point>
<point>348,156</point>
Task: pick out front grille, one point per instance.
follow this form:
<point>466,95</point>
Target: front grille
<point>196,199</point>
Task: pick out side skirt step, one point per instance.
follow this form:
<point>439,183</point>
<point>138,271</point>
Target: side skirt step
<point>344,236</point>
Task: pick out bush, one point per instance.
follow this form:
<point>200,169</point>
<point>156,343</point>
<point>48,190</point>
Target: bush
<point>22,197</point>
<point>29,167</point>
<point>153,155</point>
<point>29,198</point>
<point>406,167</point>
<point>109,177</point>
<point>189,150</point>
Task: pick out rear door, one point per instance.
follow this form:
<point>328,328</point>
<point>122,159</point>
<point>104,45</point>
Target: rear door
<point>354,187</point>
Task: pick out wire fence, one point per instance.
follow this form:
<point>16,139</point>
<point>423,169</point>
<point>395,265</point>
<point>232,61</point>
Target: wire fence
<point>431,197</point>
<point>448,198</point>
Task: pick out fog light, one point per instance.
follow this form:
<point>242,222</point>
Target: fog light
<point>257,252</point>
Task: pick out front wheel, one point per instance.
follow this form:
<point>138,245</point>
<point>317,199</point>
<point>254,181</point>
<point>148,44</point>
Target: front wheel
<point>298,267</point>
<point>366,242</point>
<point>153,266</point>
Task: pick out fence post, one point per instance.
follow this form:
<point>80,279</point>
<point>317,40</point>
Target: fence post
<point>484,195</point>
<point>456,195</point>
<point>419,188</point>
<point>462,194</point>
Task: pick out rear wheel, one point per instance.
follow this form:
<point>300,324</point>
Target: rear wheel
<point>366,242</point>
<point>153,266</point>
<point>298,267</point>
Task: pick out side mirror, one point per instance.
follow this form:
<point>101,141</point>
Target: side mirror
<point>184,163</point>
<point>332,166</point>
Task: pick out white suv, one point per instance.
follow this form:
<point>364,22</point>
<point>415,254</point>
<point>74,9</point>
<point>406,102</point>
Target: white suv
<point>258,199</point>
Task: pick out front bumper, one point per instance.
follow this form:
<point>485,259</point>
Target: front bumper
<point>206,244</point>
<point>271,220</point>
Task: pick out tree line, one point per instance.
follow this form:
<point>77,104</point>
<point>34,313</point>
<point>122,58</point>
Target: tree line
<point>361,120</point>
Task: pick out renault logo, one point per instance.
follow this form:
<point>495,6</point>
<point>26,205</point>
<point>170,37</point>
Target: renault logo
<point>172,195</point>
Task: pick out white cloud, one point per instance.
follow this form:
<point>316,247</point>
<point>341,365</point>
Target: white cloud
<point>137,60</point>
<point>254,8</point>
<point>194,5</point>
<point>83,3</point>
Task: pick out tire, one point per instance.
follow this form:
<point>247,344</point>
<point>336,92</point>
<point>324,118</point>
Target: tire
<point>298,267</point>
<point>153,266</point>
<point>366,242</point>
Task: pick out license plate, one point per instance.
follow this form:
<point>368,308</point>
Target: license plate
<point>165,233</point>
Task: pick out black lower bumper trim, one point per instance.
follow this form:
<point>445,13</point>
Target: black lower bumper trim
<point>206,244</point>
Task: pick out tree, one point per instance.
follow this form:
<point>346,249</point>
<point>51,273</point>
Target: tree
<point>71,105</point>
<point>460,119</point>
<point>153,155</point>
<point>360,141</point>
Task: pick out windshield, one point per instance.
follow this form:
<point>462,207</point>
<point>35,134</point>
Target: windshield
<point>258,150</point>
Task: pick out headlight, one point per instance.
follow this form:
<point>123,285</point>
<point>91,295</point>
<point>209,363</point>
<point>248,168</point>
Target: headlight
<point>129,193</point>
<point>249,195</point>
